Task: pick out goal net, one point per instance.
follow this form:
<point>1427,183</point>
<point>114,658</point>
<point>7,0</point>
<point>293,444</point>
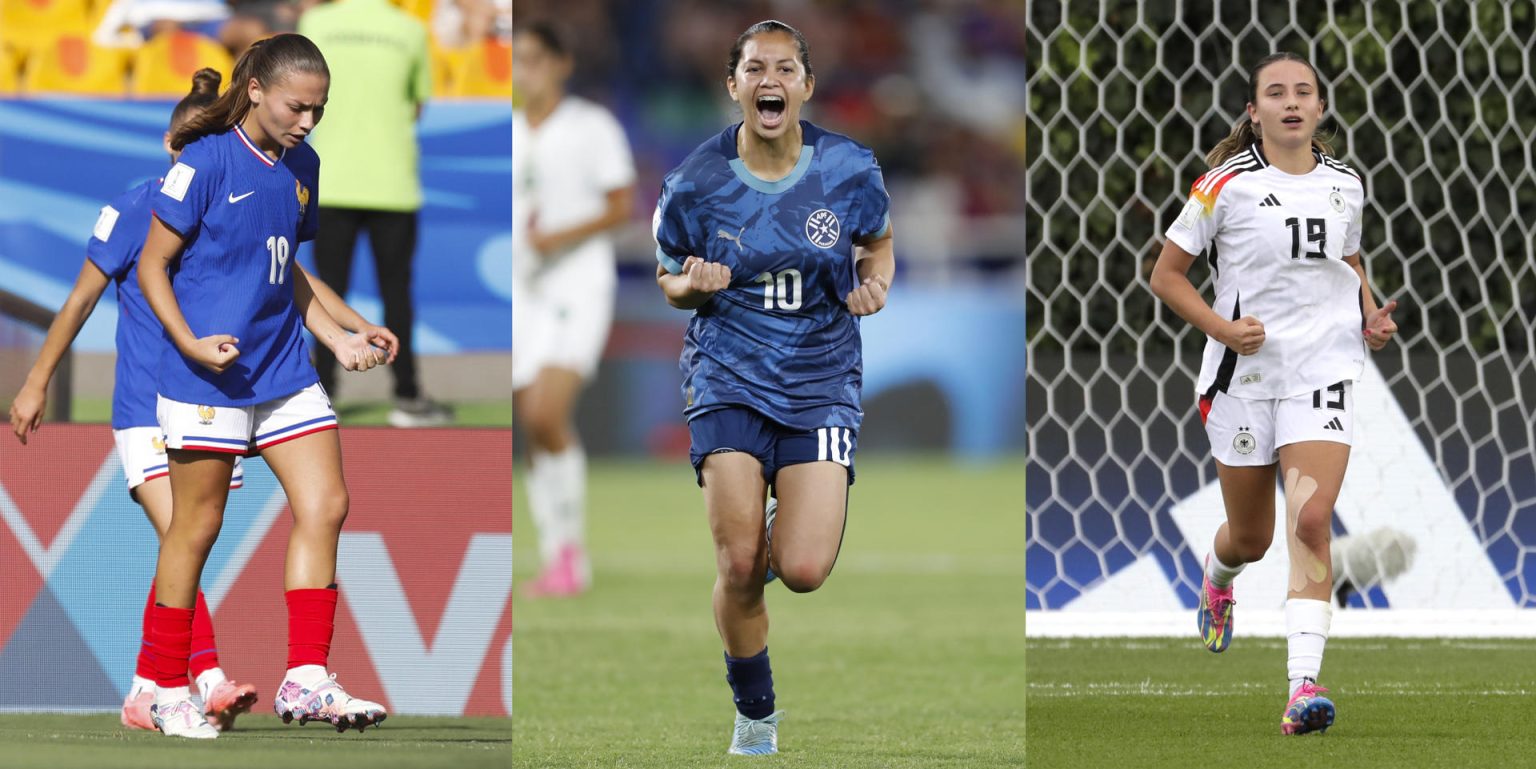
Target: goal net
<point>1435,531</point>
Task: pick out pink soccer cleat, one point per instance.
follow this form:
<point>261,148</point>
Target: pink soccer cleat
<point>326,702</point>
<point>564,577</point>
<point>226,700</point>
<point>1214,617</point>
<point>1308,710</point>
<point>136,710</point>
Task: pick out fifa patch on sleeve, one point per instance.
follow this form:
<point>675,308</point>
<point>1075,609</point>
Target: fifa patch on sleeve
<point>177,181</point>
<point>1187,217</point>
<point>105,223</point>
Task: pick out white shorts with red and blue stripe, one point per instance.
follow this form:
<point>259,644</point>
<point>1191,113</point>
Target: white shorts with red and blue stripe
<point>245,429</point>
<point>142,451</point>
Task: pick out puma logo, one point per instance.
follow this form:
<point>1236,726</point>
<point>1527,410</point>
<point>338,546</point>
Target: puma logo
<point>734,238</point>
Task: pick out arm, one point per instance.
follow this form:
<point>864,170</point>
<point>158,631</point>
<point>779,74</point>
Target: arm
<point>32,400</point>
<point>695,285</point>
<point>216,352</point>
<point>616,211</point>
<point>1378,324</point>
<point>875,261</point>
<point>1170,282</point>
<point>348,318</point>
<point>354,351</point>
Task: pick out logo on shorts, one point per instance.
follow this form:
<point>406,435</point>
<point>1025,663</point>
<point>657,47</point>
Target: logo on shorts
<point>1244,443</point>
<point>158,443</point>
<point>205,415</point>
<point>1334,424</point>
<point>822,228</point>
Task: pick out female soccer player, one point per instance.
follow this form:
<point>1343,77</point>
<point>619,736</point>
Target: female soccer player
<point>778,235</point>
<point>573,181</point>
<point>1286,342</point>
<point>238,201</point>
<point>111,254</point>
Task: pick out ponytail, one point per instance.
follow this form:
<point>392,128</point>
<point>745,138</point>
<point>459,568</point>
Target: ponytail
<point>205,91</point>
<point>269,62</point>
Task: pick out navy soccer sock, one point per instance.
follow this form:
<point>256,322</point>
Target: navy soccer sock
<point>751,683</point>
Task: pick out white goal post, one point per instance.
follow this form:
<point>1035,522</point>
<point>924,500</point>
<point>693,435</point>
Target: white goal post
<point>1435,105</point>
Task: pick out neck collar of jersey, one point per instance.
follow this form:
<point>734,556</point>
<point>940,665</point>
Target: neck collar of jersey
<point>762,185</point>
<point>255,150</point>
<point>1257,150</point>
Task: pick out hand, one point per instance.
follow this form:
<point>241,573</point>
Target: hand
<point>27,411</point>
<point>706,277</point>
<point>1245,335</point>
<point>542,243</point>
<point>215,353</point>
<point>1379,327</point>
<point>382,338</point>
<point>868,298</point>
<point>356,353</point>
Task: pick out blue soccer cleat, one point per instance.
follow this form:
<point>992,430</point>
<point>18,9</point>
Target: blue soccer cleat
<point>1308,710</point>
<point>758,737</point>
<point>768,514</point>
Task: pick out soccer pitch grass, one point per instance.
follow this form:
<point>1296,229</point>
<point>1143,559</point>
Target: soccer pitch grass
<point>1162,702</point>
<point>53,741</point>
<point>911,655</point>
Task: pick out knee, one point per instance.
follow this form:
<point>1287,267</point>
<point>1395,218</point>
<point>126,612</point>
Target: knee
<point>328,511</point>
<point>547,431</point>
<point>198,526</point>
<point>738,570</point>
<point>1253,547</point>
<point>802,575</point>
<point>1313,528</point>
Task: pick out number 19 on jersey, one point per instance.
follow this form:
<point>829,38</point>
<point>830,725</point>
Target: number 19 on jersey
<point>277,246</point>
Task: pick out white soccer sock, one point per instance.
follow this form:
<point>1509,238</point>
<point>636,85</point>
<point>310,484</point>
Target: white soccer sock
<point>307,676</point>
<point>141,685</point>
<point>542,504</point>
<point>1306,632</point>
<point>562,488</point>
<point>167,696</point>
<point>208,679</point>
<point>1221,574</point>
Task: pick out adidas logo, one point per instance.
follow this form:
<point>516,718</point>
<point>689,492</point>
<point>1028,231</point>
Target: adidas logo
<point>1269,200</point>
<point>1334,424</point>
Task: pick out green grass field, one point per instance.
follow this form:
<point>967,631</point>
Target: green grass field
<point>910,656</point>
<point>1169,703</point>
<point>51,741</point>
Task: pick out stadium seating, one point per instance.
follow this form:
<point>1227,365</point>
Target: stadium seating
<point>69,63</point>
<point>10,66</point>
<point>163,66</point>
<point>29,24</point>
<point>486,70</point>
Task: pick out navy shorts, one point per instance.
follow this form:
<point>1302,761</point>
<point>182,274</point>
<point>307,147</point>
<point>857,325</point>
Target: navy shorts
<point>774,445</point>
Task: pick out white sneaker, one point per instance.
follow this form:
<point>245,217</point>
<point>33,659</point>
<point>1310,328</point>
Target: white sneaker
<point>758,737</point>
<point>326,702</point>
<point>178,717</point>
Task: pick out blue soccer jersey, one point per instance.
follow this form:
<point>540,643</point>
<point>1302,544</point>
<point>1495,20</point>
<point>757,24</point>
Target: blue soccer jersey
<point>114,248</point>
<point>242,216</point>
<point>780,339</point>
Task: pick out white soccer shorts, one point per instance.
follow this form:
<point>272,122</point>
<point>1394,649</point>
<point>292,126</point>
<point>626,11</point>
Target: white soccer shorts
<point>245,429</point>
<point>142,452</point>
<point>560,319</point>
<point>1249,433</point>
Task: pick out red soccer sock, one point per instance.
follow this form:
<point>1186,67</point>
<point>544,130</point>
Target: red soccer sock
<point>171,634</point>
<point>205,655</point>
<point>311,621</point>
<point>146,666</point>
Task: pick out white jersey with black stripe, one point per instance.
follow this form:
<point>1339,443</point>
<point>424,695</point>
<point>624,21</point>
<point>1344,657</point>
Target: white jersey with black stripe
<point>1276,242</point>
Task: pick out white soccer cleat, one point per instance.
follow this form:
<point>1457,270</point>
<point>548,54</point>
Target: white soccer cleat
<point>180,718</point>
<point>326,702</point>
<point>759,737</point>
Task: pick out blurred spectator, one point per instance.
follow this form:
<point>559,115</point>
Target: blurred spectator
<point>369,178</point>
<point>234,23</point>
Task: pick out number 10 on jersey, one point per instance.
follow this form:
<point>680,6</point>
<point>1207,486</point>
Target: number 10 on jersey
<point>277,246</point>
<point>781,291</point>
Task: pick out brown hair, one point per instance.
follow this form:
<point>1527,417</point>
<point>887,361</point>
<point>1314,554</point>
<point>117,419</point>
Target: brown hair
<point>1244,132</point>
<point>270,62</point>
<point>205,90</point>
<point>763,28</point>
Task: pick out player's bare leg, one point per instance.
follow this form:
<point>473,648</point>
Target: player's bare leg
<point>557,480</point>
<point>199,483</point>
<point>1249,494</point>
<point>309,469</point>
<point>808,528</point>
<point>734,495</point>
<point>1313,472</point>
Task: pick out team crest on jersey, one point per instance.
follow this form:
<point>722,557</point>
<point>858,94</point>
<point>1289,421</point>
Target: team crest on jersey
<point>1336,200</point>
<point>205,415</point>
<point>158,443</point>
<point>303,194</point>
<point>822,228</point>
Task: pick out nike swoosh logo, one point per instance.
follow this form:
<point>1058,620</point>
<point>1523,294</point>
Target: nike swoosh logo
<point>234,199</point>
